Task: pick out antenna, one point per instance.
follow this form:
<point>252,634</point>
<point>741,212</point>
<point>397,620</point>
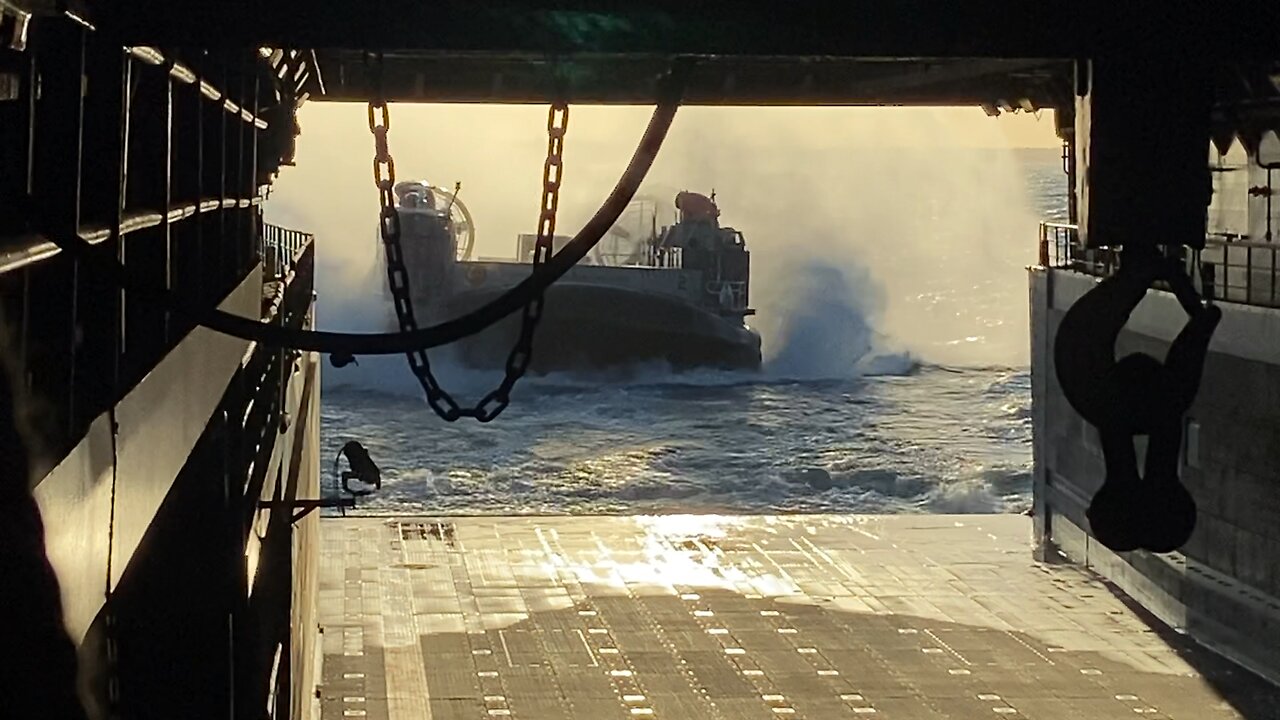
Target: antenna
<point>457,188</point>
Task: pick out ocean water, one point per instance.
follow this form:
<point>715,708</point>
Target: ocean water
<point>896,378</point>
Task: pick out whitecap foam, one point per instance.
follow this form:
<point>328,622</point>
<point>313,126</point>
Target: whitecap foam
<point>963,497</point>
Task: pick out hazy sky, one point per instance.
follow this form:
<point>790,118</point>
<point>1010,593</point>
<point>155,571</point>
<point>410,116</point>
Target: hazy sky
<point>496,152</point>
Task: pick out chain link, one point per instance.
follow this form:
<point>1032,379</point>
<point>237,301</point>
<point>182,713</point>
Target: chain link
<point>384,176</point>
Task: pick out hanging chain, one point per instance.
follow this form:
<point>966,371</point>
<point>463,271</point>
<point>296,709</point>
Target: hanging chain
<point>384,175</point>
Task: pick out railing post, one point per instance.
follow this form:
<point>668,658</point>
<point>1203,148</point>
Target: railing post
<point>56,188</point>
<point>1248,273</point>
<point>226,248</point>
<point>99,313</point>
<point>1224,287</point>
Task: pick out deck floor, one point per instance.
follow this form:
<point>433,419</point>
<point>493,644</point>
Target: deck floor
<point>814,616</point>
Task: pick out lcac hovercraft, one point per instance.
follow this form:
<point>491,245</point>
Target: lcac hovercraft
<point>676,295</point>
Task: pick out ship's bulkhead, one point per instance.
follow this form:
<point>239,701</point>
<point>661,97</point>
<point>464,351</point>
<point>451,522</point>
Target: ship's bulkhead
<point>1148,176</point>
<point>152,446</point>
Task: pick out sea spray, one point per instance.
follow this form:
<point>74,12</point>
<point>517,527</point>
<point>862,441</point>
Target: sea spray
<point>822,324</point>
<point>356,300</point>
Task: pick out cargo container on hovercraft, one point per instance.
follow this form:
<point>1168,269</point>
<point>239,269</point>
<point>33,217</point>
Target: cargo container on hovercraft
<point>678,296</point>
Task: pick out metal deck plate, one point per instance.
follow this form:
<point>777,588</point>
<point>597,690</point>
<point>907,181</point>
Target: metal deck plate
<point>814,616</point>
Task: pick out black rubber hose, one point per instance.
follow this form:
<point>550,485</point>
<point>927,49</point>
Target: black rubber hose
<point>398,343</point>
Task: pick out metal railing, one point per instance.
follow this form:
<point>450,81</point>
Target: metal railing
<point>17,253</point>
<point>1232,268</point>
<point>736,298</point>
<point>280,248</point>
<point>1242,271</point>
<point>1060,248</point>
<point>666,257</point>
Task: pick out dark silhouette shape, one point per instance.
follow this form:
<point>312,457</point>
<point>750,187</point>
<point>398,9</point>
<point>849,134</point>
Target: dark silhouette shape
<point>360,467</point>
<point>1137,395</point>
<point>341,359</point>
<point>41,679</point>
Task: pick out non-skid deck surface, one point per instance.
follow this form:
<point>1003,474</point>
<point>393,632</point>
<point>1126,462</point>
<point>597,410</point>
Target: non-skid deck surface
<point>893,617</point>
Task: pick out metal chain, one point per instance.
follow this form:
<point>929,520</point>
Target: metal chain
<point>384,175</point>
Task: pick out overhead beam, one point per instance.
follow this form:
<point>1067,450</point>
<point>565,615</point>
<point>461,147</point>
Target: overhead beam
<point>850,28</point>
<point>417,77</point>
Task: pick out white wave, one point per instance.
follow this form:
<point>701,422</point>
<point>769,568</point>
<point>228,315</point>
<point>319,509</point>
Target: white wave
<point>994,490</point>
